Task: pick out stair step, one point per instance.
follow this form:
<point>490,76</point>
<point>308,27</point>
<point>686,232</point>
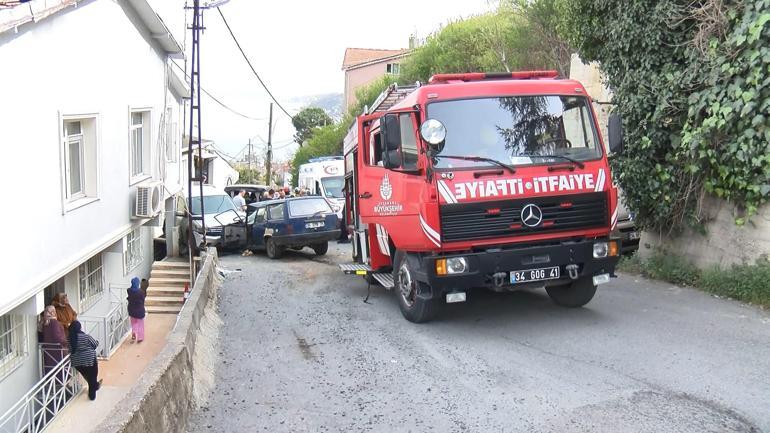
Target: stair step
<point>164,300</point>
<point>166,281</point>
<point>165,291</point>
<point>171,272</point>
<point>385,279</point>
<point>163,309</point>
<point>165,264</point>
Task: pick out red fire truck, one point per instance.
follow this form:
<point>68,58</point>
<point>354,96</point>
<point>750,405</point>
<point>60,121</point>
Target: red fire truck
<point>481,180</point>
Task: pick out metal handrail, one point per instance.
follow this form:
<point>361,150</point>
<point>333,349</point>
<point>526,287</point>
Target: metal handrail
<point>111,329</point>
<point>38,407</point>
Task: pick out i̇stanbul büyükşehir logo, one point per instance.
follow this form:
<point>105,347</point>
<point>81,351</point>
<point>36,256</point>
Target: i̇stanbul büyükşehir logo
<point>531,215</point>
<point>386,191</point>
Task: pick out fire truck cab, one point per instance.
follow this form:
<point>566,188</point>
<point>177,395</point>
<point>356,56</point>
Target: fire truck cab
<point>497,181</point>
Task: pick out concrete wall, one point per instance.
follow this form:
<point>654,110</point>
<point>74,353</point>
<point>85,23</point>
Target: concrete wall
<point>724,244</point>
<point>164,395</point>
<point>591,77</point>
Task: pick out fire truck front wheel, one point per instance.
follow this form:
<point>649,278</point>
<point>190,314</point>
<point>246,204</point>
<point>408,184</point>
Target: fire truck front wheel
<point>573,295</point>
<point>414,297</point>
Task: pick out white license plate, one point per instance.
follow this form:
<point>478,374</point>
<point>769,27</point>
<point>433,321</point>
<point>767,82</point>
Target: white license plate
<point>633,236</point>
<point>540,274</point>
<point>314,225</point>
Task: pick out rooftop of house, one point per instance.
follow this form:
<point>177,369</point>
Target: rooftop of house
<point>16,13</point>
<point>359,56</point>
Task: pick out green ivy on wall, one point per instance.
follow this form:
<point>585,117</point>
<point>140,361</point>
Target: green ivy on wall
<point>692,82</point>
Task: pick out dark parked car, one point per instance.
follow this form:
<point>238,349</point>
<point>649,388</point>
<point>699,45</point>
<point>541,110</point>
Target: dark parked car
<point>254,193</point>
<point>294,223</point>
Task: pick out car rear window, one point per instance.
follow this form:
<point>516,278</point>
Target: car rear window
<point>308,207</point>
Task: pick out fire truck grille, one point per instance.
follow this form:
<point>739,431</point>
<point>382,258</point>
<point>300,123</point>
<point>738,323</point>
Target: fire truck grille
<point>468,221</point>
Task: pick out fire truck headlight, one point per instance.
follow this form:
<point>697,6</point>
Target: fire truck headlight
<point>433,131</point>
<point>600,250</point>
<point>456,265</point>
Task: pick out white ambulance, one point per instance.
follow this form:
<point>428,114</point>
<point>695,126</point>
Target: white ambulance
<point>324,176</point>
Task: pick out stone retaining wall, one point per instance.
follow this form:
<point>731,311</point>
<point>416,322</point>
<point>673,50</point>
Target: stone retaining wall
<point>724,243</point>
<point>162,399</point>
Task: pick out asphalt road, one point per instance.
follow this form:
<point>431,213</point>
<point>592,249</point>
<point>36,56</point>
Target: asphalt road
<point>301,352</point>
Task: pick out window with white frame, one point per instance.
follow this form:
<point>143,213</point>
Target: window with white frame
<point>172,144</point>
<point>91,285</point>
<point>139,148</point>
<point>393,68</point>
<point>132,250</point>
<point>79,161</point>
<point>13,342</point>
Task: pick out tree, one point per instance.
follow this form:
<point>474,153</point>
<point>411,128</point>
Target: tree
<point>307,120</point>
<point>327,140</point>
<point>493,42</point>
<point>247,175</point>
<point>547,26</point>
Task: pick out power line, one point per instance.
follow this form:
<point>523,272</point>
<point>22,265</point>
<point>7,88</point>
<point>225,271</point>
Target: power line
<point>251,66</point>
<point>217,100</point>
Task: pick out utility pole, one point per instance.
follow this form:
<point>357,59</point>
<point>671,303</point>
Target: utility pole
<point>194,138</point>
<point>269,161</point>
<point>250,160</point>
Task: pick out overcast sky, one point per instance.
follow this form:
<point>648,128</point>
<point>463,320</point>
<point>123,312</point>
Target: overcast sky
<point>297,47</point>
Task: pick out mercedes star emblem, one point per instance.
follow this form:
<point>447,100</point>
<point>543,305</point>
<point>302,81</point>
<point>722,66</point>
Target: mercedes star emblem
<point>531,215</point>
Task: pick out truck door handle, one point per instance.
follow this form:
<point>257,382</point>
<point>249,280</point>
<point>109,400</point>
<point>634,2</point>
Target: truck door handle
<point>365,195</point>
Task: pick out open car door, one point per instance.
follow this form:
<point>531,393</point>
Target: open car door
<point>235,229</point>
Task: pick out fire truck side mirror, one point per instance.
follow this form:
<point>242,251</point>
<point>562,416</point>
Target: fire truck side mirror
<point>391,159</point>
<point>390,131</point>
<point>615,133</point>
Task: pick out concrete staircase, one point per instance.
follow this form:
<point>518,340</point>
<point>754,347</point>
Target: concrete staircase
<point>166,292</point>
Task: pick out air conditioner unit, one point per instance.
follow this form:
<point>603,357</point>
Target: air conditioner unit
<point>149,200</point>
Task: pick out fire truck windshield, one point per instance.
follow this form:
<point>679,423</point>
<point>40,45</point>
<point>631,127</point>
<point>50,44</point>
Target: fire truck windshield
<point>516,130</point>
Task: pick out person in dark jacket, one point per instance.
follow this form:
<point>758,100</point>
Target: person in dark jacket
<point>83,357</point>
<point>136,310</point>
<point>54,339</point>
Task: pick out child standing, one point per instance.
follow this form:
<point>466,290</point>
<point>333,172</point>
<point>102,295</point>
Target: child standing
<point>136,311</point>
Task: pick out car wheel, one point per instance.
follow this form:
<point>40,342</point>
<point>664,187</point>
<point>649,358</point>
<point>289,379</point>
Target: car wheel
<point>411,294</point>
<point>321,249</point>
<point>573,295</point>
<point>273,251</point>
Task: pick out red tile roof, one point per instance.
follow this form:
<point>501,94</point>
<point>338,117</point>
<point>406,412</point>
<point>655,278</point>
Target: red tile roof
<point>357,56</point>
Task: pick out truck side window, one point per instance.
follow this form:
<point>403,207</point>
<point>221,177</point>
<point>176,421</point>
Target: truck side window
<point>408,142</point>
<point>375,149</point>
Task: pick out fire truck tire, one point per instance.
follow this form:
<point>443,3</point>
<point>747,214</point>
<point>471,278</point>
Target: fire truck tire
<point>414,308</point>
<point>573,295</point>
<point>273,251</point>
<point>321,249</point>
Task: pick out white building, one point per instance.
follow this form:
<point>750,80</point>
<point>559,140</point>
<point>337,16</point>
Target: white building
<point>90,110</point>
<point>213,166</point>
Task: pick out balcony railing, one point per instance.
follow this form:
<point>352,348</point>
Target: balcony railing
<point>38,407</point>
<point>112,328</point>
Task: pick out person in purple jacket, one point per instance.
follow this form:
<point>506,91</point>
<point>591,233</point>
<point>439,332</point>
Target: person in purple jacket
<point>136,310</point>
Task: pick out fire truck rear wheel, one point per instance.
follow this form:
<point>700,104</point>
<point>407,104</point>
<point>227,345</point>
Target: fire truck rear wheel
<point>415,308</point>
<point>321,249</point>
<point>573,295</point>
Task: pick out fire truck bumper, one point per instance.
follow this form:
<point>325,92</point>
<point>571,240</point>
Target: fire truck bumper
<point>498,268</point>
